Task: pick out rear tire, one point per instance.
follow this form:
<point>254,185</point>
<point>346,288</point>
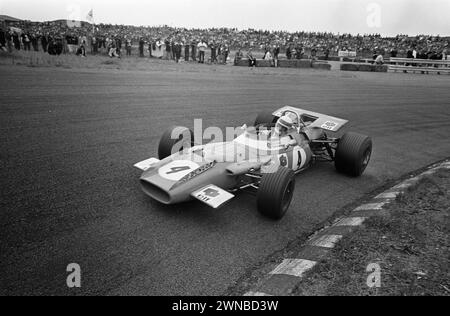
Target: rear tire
<point>184,138</point>
<point>353,154</point>
<point>266,119</point>
<point>275,193</point>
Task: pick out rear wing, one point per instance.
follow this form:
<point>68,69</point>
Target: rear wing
<point>322,121</point>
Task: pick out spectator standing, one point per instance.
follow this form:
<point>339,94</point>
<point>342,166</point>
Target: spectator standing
<point>167,49</point>
<point>9,41</point>
<point>238,57</point>
<point>59,45</point>
<point>102,43</point>
<point>226,53</point>
<point>72,43</point>
<point>213,48</point>
<point>219,54</point>
<point>409,54</point>
<point>186,51</point>
<point>289,52</point>
<point>128,46</point>
<point>194,50</point>
<point>327,53</point>
<point>251,59</point>
<point>52,46</point>
<point>26,41</point>
<point>83,40</point>
<point>34,42</point>
<point>151,46</point>
<point>177,47</point>
<point>94,45</point>
<point>16,41</point>
<point>299,52</point>
<point>394,53</point>
<point>2,39</point>
<point>202,46</point>
<point>44,42</point>
<point>314,53</point>
<point>159,49</point>
<point>269,57</point>
<point>276,53</point>
<point>172,49</point>
<point>445,53</point>
<point>118,42</point>
<point>293,53</point>
<point>141,47</point>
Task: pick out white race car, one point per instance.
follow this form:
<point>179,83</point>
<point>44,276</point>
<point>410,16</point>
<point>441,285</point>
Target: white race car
<point>258,163</point>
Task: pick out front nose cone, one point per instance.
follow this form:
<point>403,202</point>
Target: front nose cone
<point>155,192</point>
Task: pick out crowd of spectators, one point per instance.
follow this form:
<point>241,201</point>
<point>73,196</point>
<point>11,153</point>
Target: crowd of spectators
<point>60,37</point>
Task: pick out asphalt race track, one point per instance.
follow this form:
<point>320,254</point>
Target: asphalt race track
<point>69,193</point>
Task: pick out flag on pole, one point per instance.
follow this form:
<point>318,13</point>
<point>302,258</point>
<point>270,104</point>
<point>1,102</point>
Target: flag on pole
<point>90,16</point>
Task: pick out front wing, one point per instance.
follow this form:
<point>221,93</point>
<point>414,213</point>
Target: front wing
<point>212,196</point>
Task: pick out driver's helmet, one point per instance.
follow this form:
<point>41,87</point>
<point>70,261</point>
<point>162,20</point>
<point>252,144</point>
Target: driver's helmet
<point>284,125</point>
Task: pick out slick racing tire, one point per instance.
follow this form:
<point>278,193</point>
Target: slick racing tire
<point>275,193</point>
<point>265,119</point>
<point>174,140</point>
<point>353,154</point>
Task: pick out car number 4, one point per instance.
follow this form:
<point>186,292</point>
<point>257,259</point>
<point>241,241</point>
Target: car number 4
<point>178,169</point>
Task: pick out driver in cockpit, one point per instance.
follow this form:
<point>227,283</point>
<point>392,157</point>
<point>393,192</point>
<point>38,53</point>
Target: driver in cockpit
<point>286,130</point>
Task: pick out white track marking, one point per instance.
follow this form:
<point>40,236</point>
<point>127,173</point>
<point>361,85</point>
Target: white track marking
<point>371,206</point>
<point>429,173</point>
<point>294,267</point>
<point>326,241</point>
<point>406,184</point>
<point>351,221</point>
<point>256,294</point>
<point>403,186</point>
<point>388,195</point>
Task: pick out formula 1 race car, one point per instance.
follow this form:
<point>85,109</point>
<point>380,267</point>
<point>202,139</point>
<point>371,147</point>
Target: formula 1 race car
<point>256,160</point>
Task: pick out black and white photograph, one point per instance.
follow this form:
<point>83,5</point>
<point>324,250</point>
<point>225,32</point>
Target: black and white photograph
<point>224,155</point>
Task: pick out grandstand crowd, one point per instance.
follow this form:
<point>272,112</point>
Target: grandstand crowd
<point>61,37</point>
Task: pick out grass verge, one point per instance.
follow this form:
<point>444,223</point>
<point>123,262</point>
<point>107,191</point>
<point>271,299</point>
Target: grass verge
<point>410,245</point>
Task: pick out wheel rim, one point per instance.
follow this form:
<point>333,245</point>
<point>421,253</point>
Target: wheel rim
<point>366,160</point>
<point>287,198</point>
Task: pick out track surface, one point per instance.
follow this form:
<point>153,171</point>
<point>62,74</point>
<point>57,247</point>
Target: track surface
<point>68,140</point>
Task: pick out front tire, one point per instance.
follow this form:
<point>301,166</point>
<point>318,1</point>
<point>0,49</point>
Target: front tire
<point>353,154</point>
<point>275,193</point>
<point>174,140</point>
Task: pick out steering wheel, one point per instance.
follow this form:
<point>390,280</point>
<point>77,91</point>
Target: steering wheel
<point>299,118</point>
